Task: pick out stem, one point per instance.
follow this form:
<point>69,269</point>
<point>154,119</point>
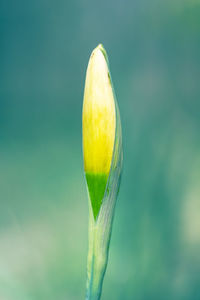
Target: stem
<point>97,259</point>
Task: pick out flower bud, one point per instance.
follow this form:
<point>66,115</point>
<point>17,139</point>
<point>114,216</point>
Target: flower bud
<point>99,126</point>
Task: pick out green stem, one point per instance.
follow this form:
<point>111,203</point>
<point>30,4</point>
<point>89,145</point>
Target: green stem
<point>97,260</point>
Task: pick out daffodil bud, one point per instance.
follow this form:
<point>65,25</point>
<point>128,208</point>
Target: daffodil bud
<point>99,126</point>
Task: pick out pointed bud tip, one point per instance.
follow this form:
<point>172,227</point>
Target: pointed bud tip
<point>100,49</point>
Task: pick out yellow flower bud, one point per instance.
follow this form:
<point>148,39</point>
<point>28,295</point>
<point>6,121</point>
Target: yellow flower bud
<point>98,116</point>
<point>99,123</point>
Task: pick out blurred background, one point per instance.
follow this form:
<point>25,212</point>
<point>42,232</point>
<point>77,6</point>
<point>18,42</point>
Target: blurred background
<point>154,52</point>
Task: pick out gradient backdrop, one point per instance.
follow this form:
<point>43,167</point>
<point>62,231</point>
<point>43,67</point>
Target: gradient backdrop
<point>154,51</point>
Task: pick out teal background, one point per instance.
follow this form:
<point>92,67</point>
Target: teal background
<point>154,52</point>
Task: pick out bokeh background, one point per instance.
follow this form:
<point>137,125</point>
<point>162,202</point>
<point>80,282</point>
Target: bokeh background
<point>154,51</point>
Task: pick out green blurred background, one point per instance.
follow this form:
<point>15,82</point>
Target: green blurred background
<point>154,51</point>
